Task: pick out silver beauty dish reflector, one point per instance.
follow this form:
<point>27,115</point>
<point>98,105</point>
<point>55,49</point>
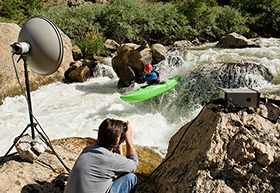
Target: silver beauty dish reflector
<point>40,39</point>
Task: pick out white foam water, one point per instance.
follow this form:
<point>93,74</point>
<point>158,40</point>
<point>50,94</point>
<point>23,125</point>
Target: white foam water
<point>76,110</point>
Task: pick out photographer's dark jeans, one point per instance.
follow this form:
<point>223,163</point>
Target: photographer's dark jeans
<point>124,184</point>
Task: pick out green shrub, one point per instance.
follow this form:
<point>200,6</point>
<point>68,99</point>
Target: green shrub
<point>212,21</point>
<point>121,20</point>
<point>92,44</point>
<point>19,10</point>
<point>230,20</point>
<point>201,17</point>
<point>130,20</point>
<point>81,25</point>
<point>75,22</point>
<point>263,15</point>
<point>5,20</point>
<point>166,24</point>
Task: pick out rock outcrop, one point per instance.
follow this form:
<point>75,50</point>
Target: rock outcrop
<point>222,151</point>
<point>234,40</point>
<point>8,84</point>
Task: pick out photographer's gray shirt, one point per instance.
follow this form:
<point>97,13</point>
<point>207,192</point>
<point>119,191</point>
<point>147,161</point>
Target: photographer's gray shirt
<point>95,169</point>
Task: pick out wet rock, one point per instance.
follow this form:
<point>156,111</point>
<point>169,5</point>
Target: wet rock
<point>127,63</point>
<point>80,70</point>
<point>80,74</point>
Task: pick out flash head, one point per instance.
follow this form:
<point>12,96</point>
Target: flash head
<point>21,48</point>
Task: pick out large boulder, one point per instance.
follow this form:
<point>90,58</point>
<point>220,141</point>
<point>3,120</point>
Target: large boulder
<point>158,51</point>
<point>131,58</point>
<point>234,40</point>
<point>8,83</point>
<point>127,63</point>
<point>224,151</point>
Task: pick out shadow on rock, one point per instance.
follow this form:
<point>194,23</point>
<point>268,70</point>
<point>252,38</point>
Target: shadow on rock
<point>55,186</point>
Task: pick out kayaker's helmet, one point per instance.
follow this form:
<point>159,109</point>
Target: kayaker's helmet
<point>148,67</point>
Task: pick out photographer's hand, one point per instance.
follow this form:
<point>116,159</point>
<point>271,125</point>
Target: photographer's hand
<point>129,145</point>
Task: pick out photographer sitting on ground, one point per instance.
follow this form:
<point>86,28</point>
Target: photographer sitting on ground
<point>98,166</point>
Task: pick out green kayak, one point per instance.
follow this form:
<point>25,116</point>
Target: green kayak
<point>150,91</point>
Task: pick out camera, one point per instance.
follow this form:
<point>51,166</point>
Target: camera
<point>122,135</point>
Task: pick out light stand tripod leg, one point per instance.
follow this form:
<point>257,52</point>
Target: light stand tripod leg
<point>14,143</point>
<point>24,57</point>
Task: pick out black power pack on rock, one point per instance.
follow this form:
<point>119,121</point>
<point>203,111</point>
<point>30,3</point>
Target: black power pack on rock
<point>240,96</point>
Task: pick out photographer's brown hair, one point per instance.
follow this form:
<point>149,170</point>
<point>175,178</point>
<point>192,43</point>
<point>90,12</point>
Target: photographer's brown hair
<point>109,131</point>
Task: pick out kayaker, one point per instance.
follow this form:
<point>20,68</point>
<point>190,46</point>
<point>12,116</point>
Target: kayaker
<point>152,76</point>
<point>99,168</point>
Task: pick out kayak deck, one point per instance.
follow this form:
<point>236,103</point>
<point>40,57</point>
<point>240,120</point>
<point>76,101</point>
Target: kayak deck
<point>148,92</point>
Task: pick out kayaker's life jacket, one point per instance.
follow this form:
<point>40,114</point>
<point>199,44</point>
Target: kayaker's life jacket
<point>154,81</point>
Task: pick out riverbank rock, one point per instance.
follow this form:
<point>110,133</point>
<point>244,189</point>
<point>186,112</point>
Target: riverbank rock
<point>224,151</point>
<point>29,149</point>
<point>158,52</point>
<point>184,43</point>
<point>112,45</point>
<point>9,85</point>
<point>47,174</point>
<point>77,53</point>
<point>234,40</point>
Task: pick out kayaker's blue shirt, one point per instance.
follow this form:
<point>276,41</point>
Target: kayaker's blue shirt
<point>151,76</point>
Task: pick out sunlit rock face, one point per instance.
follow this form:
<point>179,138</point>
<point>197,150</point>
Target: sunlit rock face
<point>224,151</point>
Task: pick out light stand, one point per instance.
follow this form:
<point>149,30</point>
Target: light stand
<point>31,118</point>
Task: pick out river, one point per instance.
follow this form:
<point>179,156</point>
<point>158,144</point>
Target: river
<point>67,110</point>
